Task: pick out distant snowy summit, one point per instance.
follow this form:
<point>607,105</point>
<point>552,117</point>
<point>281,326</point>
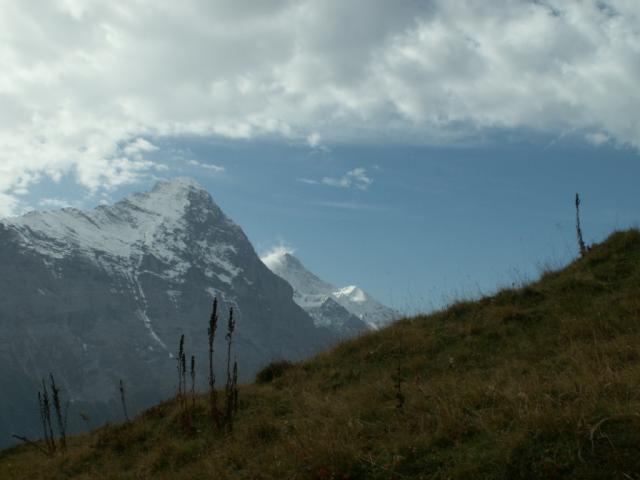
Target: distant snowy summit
<point>342,309</point>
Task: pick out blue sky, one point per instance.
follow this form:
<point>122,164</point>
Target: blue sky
<point>435,223</point>
<point>425,150</point>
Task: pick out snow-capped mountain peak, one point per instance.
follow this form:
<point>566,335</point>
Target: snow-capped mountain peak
<point>311,292</point>
<point>168,198</point>
<point>154,222</point>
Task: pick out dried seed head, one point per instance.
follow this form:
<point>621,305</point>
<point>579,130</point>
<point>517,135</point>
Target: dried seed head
<point>213,321</point>
<point>231,324</point>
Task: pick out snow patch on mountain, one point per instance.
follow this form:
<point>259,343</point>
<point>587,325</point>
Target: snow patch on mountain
<point>118,230</point>
<point>353,293</point>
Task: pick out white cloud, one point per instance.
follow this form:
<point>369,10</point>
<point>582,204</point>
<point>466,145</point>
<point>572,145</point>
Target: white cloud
<point>597,138</point>
<point>207,166</point>
<point>343,182</point>
<point>313,139</point>
<point>308,181</point>
<point>53,203</point>
<point>274,256</point>
<point>139,145</point>
<point>360,178</point>
<point>8,205</point>
<point>85,85</point>
<point>357,178</point>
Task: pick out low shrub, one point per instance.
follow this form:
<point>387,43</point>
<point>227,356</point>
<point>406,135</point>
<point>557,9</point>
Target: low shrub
<point>272,371</point>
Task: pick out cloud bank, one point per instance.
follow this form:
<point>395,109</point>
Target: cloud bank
<point>357,178</point>
<point>86,85</point>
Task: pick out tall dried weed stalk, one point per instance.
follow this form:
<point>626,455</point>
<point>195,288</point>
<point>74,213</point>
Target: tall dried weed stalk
<point>211,331</point>
<point>45,404</point>
<point>581,245</point>
<point>60,418</point>
<point>192,372</point>
<point>231,386</point>
<point>123,401</point>
<point>186,406</point>
<point>45,416</point>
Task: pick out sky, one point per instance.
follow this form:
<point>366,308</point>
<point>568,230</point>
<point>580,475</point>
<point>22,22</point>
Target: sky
<point>424,150</point>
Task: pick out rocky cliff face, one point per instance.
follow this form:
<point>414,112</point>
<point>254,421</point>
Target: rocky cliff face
<point>102,295</point>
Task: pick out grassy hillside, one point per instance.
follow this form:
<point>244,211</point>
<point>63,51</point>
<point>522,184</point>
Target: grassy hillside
<point>542,381</point>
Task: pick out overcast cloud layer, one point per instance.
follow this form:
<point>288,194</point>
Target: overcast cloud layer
<point>83,82</point>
